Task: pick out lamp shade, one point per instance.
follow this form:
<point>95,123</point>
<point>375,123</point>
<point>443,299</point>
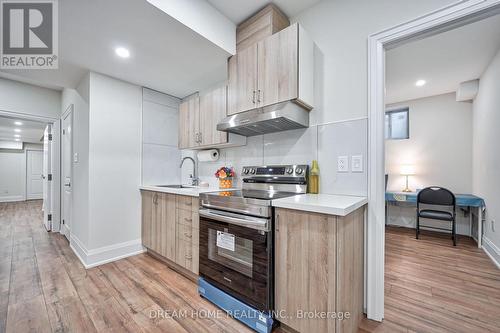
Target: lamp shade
<point>407,170</point>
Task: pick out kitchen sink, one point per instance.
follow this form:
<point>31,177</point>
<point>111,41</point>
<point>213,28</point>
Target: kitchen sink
<point>176,186</point>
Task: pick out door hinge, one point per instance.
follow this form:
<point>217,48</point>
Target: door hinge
<point>50,137</point>
<point>49,217</point>
<point>49,177</point>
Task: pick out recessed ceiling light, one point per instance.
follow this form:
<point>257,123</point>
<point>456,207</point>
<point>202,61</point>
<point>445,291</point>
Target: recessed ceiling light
<point>420,83</point>
<point>122,52</point>
<point>17,139</point>
<point>18,123</point>
<point>17,130</point>
<point>17,136</point>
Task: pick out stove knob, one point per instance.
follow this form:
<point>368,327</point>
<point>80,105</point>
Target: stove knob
<point>252,171</point>
<point>289,171</point>
<point>298,171</point>
<point>246,171</point>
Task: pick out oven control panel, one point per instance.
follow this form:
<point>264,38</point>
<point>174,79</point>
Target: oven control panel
<point>295,170</point>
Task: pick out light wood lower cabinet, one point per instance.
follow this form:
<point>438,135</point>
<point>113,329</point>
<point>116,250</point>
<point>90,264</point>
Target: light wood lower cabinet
<point>319,270</point>
<point>170,227</point>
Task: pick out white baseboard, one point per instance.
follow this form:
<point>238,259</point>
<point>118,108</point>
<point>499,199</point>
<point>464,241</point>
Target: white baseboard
<point>492,251</point>
<point>12,198</point>
<point>105,254</point>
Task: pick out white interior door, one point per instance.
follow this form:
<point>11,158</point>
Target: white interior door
<point>67,172</point>
<point>34,174</point>
<point>47,178</point>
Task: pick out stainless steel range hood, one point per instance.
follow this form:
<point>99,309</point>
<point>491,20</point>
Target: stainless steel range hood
<point>269,119</point>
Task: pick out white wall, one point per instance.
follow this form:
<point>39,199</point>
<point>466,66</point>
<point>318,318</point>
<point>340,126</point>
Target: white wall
<point>440,148</point>
<point>106,219</point>
<point>12,175</point>
<point>13,172</point>
<point>486,153</point>
<point>28,99</point>
<point>160,128</point>
<point>114,162</point>
<point>440,145</point>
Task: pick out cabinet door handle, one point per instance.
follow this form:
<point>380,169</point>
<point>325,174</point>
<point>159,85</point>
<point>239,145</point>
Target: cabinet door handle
<point>253,97</point>
<point>200,137</point>
<point>258,96</point>
<point>155,199</point>
<point>277,223</point>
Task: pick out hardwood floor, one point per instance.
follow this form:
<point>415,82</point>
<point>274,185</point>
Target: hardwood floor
<point>45,288</point>
<point>431,286</point>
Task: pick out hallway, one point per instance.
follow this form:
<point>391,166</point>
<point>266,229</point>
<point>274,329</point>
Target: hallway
<point>45,288</point>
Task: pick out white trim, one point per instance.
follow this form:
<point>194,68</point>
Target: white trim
<point>492,251</point>
<point>446,18</point>
<point>105,254</point>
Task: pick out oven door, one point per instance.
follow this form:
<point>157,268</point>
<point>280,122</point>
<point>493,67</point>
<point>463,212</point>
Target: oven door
<point>236,256</point>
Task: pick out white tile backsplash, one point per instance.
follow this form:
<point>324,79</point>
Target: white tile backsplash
<point>291,147</point>
<point>324,143</point>
<point>342,139</point>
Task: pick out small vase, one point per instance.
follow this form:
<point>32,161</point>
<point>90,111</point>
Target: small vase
<point>225,183</point>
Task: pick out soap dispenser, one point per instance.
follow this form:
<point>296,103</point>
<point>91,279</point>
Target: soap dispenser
<point>314,178</point>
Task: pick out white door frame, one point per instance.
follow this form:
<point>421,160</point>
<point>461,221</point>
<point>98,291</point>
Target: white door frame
<point>446,18</point>
<point>64,229</point>
<point>56,162</point>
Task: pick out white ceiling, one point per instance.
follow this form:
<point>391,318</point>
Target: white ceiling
<point>443,60</point>
<point>165,55</point>
<point>31,131</point>
<point>239,10</point>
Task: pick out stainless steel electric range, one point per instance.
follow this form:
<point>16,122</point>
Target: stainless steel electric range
<point>236,232</point>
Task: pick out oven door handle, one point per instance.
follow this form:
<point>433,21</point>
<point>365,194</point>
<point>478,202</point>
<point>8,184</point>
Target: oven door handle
<point>243,221</point>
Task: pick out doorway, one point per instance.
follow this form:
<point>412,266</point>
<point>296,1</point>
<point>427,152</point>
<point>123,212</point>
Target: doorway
<point>445,19</point>
<point>29,159</point>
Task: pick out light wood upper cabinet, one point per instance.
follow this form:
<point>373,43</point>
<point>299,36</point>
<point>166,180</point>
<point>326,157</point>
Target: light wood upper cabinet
<point>213,108</point>
<point>198,119</point>
<point>242,86</point>
<point>189,122</point>
<point>278,68</point>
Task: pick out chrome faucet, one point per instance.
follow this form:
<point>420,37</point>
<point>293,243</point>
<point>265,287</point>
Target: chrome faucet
<point>194,178</point>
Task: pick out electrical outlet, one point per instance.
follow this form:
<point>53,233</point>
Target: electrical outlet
<point>343,164</point>
<point>357,163</point>
<point>493,225</point>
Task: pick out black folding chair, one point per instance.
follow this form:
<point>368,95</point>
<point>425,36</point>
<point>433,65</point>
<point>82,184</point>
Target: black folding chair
<point>437,196</point>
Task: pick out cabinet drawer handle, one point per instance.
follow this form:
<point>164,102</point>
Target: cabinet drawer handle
<point>188,235</point>
<point>188,219</point>
<point>189,256</point>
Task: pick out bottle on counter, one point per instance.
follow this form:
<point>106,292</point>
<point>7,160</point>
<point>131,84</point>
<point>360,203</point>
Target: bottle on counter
<point>314,178</point>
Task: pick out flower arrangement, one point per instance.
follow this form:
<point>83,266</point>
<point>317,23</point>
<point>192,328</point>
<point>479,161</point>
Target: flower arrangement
<point>224,172</point>
<point>225,176</point>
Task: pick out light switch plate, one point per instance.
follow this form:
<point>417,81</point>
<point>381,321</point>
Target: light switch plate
<point>357,163</point>
<point>343,164</point>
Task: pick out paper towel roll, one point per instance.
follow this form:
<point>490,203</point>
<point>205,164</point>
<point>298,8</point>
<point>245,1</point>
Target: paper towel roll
<point>211,155</point>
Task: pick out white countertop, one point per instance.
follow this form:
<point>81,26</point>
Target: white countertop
<point>191,191</point>
<point>340,205</point>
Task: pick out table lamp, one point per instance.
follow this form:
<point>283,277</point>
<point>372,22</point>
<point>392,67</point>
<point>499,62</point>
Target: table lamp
<point>407,170</point>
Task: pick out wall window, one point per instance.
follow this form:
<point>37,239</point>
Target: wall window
<point>397,124</point>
